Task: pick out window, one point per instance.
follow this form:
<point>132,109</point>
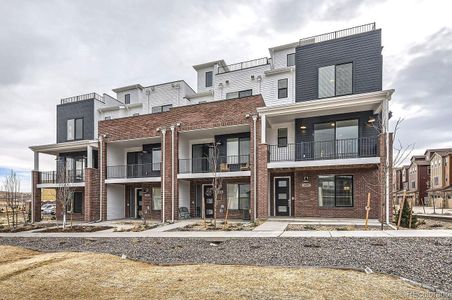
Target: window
<point>413,184</point>
<point>436,180</point>
<point>127,98</point>
<point>282,137</point>
<point>136,114</point>
<point>76,202</point>
<point>240,94</point>
<point>70,129</point>
<point>237,150</point>
<point>336,191</point>
<point>156,159</point>
<point>163,108</point>
<point>156,198</point>
<point>291,59</point>
<point>74,129</point>
<point>336,138</point>
<point>335,80</point>
<point>238,196</point>
<point>209,78</point>
<point>282,88</point>
<point>107,118</point>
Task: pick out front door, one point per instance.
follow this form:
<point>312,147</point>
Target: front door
<point>138,202</point>
<point>282,196</point>
<point>207,193</point>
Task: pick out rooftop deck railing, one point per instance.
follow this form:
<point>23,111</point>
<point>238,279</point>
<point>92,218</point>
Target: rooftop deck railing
<point>244,65</point>
<point>134,171</point>
<point>337,34</point>
<point>337,149</point>
<point>82,97</point>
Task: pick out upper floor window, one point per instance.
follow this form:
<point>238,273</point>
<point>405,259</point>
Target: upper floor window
<point>336,80</point>
<point>163,108</point>
<point>291,59</point>
<point>282,137</point>
<point>240,94</point>
<point>282,88</point>
<point>74,129</point>
<point>156,159</point>
<point>209,78</point>
<point>127,98</point>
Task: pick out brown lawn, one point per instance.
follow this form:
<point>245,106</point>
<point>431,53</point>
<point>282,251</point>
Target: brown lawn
<point>26,274</point>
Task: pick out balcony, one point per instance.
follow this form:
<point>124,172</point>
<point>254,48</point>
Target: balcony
<point>244,65</point>
<point>82,98</point>
<point>134,171</point>
<point>232,163</point>
<point>325,150</point>
<point>70,176</point>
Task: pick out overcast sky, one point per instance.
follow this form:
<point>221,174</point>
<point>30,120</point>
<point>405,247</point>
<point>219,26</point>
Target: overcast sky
<point>55,49</point>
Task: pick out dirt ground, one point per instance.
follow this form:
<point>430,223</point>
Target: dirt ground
<point>433,224</point>
<point>77,228</point>
<point>304,227</point>
<point>27,274</point>
<point>209,226</point>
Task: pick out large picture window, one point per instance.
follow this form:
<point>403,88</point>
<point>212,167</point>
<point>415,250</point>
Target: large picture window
<point>336,139</point>
<point>238,196</point>
<point>335,190</point>
<point>336,80</point>
<point>238,150</point>
<point>74,129</point>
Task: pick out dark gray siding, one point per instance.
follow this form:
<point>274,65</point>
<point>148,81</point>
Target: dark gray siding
<point>364,50</point>
<point>80,109</point>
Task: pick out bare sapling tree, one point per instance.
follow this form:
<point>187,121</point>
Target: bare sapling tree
<point>217,181</point>
<point>11,188</point>
<point>400,154</point>
<point>64,192</point>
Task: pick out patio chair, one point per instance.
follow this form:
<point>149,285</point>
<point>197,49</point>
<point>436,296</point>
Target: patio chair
<point>224,167</point>
<point>184,213</point>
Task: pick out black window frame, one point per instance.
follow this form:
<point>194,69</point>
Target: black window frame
<point>75,129</point>
<point>249,91</point>
<point>161,108</point>
<point>283,92</point>
<point>239,198</point>
<point>292,55</point>
<point>335,80</point>
<point>335,190</point>
<point>71,205</point>
<point>209,79</point>
<point>127,99</point>
<point>282,140</point>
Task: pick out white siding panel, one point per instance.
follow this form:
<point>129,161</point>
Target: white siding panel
<point>115,202</point>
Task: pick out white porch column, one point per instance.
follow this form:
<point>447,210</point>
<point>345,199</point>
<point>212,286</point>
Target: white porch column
<point>163,171</point>
<point>36,161</point>
<point>263,129</point>
<point>385,113</point>
<point>254,167</point>
<point>89,150</point>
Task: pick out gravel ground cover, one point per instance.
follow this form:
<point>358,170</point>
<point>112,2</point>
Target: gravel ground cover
<point>424,260</point>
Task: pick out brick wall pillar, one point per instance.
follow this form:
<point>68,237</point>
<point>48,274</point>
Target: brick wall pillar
<point>36,197</point>
<point>92,193</point>
<point>166,177</point>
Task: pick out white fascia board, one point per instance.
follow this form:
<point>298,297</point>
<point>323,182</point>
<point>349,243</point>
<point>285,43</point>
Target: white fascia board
<point>58,185</point>
<point>211,175</point>
<point>133,180</point>
<point>118,107</point>
<point>327,103</point>
<point>279,71</point>
<point>55,148</point>
<point>324,163</point>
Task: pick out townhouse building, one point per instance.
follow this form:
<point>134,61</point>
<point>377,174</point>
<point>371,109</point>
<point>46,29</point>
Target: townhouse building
<point>440,187</point>
<point>301,133</point>
<point>418,180</point>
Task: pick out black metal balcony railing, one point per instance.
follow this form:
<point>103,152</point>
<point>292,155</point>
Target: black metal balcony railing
<point>83,97</point>
<point>70,176</point>
<point>231,163</point>
<point>337,149</point>
<point>134,171</point>
<point>244,65</point>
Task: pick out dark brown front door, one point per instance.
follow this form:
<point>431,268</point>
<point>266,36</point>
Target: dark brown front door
<point>207,192</point>
<point>282,195</point>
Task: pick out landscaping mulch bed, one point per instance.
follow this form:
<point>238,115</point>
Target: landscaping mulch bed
<point>76,228</point>
<point>308,227</point>
<point>22,227</point>
<point>136,228</point>
<point>425,260</point>
<point>433,224</point>
<point>209,226</point>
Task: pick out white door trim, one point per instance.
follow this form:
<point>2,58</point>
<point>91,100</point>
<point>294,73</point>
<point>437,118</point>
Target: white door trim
<point>289,200</point>
<point>136,201</point>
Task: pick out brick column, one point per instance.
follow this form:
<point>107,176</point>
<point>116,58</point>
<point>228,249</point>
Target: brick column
<point>92,193</point>
<point>36,197</point>
<point>261,173</point>
<point>166,178</point>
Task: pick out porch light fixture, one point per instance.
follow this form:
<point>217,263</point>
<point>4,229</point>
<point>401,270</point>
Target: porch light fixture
<point>333,124</point>
<point>303,127</point>
<point>371,120</point>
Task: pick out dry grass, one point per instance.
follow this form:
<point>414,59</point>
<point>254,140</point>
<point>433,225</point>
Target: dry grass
<point>32,275</point>
<point>77,228</point>
<point>136,228</point>
<point>209,226</point>
<point>307,227</point>
<point>433,224</point>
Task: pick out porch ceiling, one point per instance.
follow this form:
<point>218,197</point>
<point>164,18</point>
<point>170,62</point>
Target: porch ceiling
<point>55,149</point>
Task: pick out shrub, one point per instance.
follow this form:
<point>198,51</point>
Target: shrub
<point>405,219</point>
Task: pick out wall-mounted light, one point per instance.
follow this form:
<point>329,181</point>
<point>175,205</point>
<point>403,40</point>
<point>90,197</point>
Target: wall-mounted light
<point>333,124</point>
<point>303,127</point>
<point>371,120</point>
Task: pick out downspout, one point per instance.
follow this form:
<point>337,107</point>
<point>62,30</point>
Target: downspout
<point>163,172</point>
<point>172,173</point>
<point>386,105</point>
<point>254,168</point>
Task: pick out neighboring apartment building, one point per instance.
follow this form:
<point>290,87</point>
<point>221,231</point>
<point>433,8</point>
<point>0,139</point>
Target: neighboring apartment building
<point>440,191</point>
<point>418,180</point>
<point>302,133</point>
